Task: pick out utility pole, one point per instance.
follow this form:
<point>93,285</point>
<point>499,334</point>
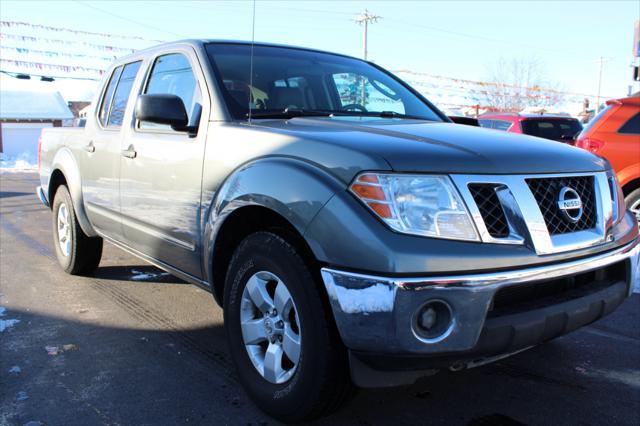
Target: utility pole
<point>601,61</point>
<point>364,19</point>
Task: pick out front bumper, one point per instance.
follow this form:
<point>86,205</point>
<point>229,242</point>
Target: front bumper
<point>377,314</point>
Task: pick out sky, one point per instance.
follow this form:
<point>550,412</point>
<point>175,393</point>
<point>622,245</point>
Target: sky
<point>449,38</point>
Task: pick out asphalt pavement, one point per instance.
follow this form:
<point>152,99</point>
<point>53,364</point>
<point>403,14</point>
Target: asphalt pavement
<point>132,345</point>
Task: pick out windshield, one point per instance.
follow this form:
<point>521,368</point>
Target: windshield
<point>556,128</point>
<point>308,82</point>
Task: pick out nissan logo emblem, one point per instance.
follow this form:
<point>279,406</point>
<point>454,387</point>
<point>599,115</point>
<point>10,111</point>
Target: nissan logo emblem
<point>570,204</point>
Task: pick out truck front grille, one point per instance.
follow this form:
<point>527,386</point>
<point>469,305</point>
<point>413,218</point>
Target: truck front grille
<point>484,194</point>
<point>546,192</point>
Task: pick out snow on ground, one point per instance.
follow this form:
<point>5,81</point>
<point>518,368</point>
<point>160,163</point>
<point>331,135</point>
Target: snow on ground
<point>142,276</point>
<point>26,161</point>
<point>8,323</point>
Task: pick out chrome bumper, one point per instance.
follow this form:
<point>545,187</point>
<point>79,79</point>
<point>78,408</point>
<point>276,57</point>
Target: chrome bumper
<point>41,196</point>
<point>376,313</point>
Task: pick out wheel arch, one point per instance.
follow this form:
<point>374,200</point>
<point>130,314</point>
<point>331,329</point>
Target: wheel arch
<point>276,194</point>
<point>65,171</point>
<point>241,223</point>
<point>631,186</point>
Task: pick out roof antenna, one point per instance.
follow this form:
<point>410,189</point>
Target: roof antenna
<point>253,38</point>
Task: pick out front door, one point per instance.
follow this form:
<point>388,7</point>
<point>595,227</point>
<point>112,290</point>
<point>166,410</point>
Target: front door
<point>161,170</point>
<point>101,154</point>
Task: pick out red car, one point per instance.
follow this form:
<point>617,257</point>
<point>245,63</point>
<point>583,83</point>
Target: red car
<point>615,135</point>
<point>556,127</point>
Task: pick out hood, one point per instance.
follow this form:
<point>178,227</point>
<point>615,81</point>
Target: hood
<point>437,147</point>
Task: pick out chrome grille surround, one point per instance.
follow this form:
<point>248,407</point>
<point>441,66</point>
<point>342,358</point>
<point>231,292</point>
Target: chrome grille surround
<point>527,225</point>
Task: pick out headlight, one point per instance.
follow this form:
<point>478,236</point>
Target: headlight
<point>416,204</point>
<point>617,197</point>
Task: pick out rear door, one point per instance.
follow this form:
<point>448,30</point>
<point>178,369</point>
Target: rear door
<point>101,154</point>
<point>161,175</point>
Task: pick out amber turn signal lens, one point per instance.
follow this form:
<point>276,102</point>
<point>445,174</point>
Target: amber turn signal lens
<point>368,191</point>
<point>368,178</point>
<point>381,210</point>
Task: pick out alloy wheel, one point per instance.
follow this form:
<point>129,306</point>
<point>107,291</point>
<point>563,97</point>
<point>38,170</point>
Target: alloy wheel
<point>270,327</point>
<point>64,230</point>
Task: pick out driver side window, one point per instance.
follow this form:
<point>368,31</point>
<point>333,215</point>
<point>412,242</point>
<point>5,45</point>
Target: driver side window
<point>357,91</point>
<point>172,74</point>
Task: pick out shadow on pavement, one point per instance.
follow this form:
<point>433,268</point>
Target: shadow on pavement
<point>8,194</point>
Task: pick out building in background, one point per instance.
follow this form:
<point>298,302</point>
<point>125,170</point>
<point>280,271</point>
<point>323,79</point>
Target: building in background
<point>23,114</point>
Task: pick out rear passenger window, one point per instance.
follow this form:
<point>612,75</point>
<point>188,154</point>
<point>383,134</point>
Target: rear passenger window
<point>501,125</point>
<point>108,96</point>
<point>172,74</point>
<point>632,126</point>
<point>487,124</point>
<point>122,93</point>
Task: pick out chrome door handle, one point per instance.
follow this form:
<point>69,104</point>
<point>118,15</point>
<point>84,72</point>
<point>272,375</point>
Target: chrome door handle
<point>90,147</point>
<point>129,152</point>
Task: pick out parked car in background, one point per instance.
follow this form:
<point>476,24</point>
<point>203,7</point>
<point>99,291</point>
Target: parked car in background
<point>615,135</point>
<point>469,121</point>
<point>555,127</point>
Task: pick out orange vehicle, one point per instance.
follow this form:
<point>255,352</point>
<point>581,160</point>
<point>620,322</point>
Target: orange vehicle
<point>615,135</point>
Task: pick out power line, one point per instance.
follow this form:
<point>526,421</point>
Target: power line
<point>485,38</point>
<point>221,5</point>
<point>124,18</point>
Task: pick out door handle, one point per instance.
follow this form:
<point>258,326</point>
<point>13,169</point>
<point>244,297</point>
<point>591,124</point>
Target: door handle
<point>90,147</point>
<point>129,152</point>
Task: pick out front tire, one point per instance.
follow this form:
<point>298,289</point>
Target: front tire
<point>281,337</point>
<point>77,253</point>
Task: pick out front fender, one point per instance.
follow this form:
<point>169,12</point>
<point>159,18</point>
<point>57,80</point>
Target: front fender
<point>294,189</point>
<point>66,163</point>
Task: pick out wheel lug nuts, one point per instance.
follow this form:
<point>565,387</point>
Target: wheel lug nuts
<point>280,338</point>
<point>273,339</point>
<point>280,324</point>
<point>274,312</point>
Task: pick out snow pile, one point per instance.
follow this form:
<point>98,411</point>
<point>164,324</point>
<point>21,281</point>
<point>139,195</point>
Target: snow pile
<point>25,161</point>
<point>377,298</point>
<point>8,323</point>
<point>142,276</point>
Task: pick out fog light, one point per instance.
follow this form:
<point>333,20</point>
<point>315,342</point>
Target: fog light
<point>433,321</point>
<point>428,318</point>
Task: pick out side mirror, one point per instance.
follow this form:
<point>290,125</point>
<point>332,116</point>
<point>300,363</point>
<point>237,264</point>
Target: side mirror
<point>162,109</point>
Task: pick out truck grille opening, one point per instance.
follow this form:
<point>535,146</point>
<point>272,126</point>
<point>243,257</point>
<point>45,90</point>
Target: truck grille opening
<point>528,296</point>
<point>546,192</point>
<point>490,208</point>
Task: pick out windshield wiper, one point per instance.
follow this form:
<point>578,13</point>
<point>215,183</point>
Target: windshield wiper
<point>291,113</point>
<point>299,112</point>
<point>384,114</point>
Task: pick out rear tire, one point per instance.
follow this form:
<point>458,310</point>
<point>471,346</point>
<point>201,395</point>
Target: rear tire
<point>319,382</point>
<point>632,200</point>
<point>77,253</point>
